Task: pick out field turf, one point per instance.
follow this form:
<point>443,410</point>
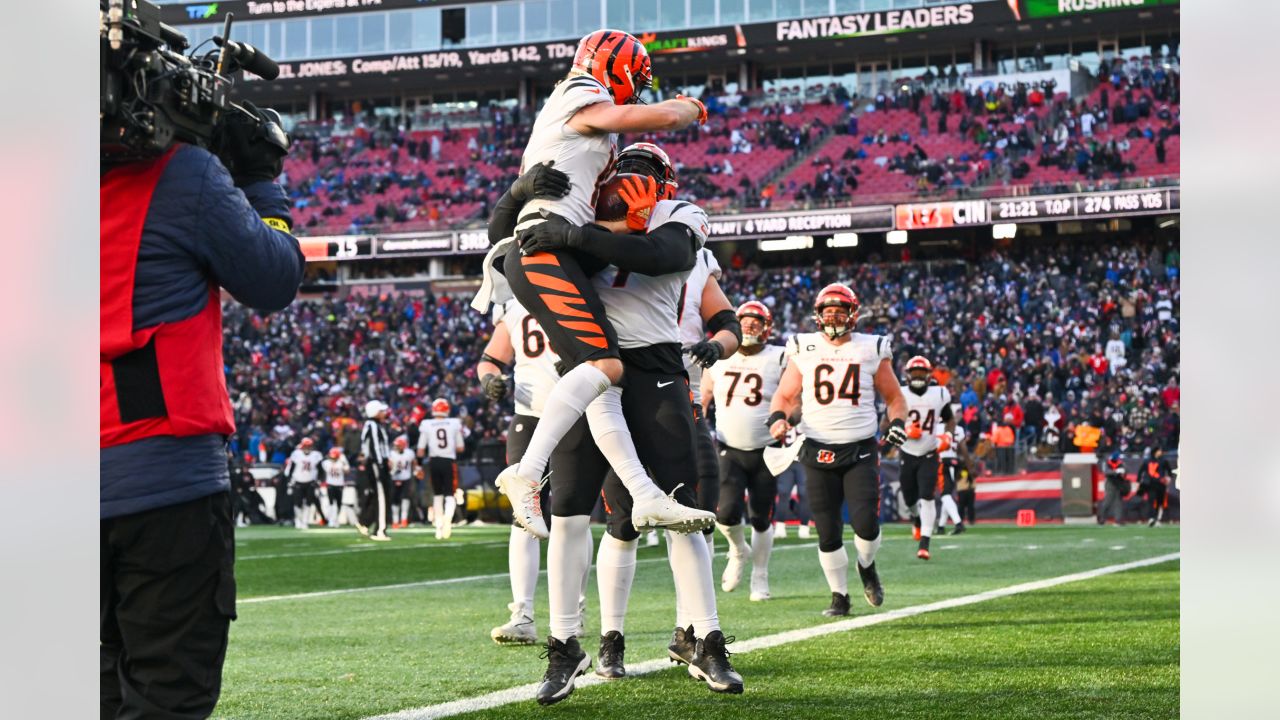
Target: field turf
<point>334,626</point>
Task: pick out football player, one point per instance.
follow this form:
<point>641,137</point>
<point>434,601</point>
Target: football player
<point>950,465</point>
<point>440,439</point>
<point>833,377</point>
<point>335,469</point>
<point>576,131</point>
<point>742,386</point>
<point>518,339</point>
<point>641,291</point>
<point>301,469</point>
<point>928,415</point>
<point>402,467</point>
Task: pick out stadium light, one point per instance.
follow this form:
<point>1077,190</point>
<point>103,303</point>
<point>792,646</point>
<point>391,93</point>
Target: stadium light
<point>840,240</point>
<point>791,242</point>
<point>1004,231</point>
<point>896,237</point>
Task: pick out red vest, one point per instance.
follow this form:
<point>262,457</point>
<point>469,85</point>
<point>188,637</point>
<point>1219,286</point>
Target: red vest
<point>163,380</point>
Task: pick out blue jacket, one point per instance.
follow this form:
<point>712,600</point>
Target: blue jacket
<point>199,226</point>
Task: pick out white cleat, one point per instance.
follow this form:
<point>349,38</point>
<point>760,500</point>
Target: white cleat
<point>779,530</point>
<point>380,537</point>
<point>651,538</point>
<point>804,531</point>
<point>732,572</point>
<point>519,631</point>
<point>526,507</point>
<point>662,511</point>
<point>760,588</point>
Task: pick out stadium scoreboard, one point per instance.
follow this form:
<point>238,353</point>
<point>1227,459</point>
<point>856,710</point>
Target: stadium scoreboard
<point>1038,208</point>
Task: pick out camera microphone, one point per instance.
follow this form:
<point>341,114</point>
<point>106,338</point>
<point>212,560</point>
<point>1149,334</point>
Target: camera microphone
<point>249,58</point>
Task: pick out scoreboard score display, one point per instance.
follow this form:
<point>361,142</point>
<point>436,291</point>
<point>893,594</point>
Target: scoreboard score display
<point>1035,208</point>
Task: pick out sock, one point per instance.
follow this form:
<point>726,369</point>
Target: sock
<point>404,511</point>
<point>682,612</point>
<point>736,538</point>
<point>564,405</point>
<point>566,565</point>
<point>949,509</point>
<point>588,553</point>
<point>835,565</point>
<point>691,568</point>
<point>761,548</point>
<point>615,571</point>
<point>609,429</point>
<point>928,515</point>
<point>450,505</point>
<point>522,563</point>
<point>437,504</point>
<point>867,549</point>
<point>711,544</point>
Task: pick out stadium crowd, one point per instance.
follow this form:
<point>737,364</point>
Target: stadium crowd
<point>1041,336</point>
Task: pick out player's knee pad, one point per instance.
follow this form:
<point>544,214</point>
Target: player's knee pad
<point>829,545</point>
<point>865,521</point>
<point>761,522</point>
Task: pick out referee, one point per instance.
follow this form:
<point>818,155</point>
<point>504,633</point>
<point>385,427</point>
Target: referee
<point>374,447</point>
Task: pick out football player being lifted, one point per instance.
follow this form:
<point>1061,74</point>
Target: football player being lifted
<point>831,381</point>
<point>928,417</point>
<point>576,131</point>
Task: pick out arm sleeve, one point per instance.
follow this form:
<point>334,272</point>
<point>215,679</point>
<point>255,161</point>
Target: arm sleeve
<point>505,215</point>
<point>258,264</point>
<point>668,249</point>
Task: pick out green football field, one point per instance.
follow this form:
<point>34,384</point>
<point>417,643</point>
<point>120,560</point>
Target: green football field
<point>335,626</point>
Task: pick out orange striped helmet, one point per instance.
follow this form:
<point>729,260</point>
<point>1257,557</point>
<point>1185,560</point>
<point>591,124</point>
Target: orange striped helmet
<point>760,311</point>
<point>440,407</point>
<point>836,295</point>
<point>618,60</point>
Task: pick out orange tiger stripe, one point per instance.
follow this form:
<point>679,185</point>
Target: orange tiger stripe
<point>559,305</point>
<point>540,258</point>
<point>551,282</point>
<point>596,341</point>
<point>580,325</point>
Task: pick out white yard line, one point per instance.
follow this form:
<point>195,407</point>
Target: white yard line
<point>441,581</point>
<point>369,547</point>
<point>525,693</point>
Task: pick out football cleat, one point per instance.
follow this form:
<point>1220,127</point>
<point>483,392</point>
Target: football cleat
<point>518,631</point>
<point>683,646</point>
<point>915,533</point>
<point>651,538</point>
<point>804,531</point>
<point>760,587</point>
<point>610,660</point>
<point>779,531</point>
<point>711,664</point>
<point>732,572</point>
<point>839,605</point>
<point>565,662</point>
<point>942,530</point>
<point>380,537</point>
<point>959,528</point>
<point>362,529</point>
<point>662,511</point>
<point>871,587</point>
<point>923,553</point>
<point>526,506</point>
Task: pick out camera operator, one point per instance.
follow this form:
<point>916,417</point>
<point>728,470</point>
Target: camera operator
<point>174,229</point>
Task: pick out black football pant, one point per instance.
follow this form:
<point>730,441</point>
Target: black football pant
<point>558,293</point>
<point>708,466</point>
<point>167,599</point>
<point>830,487</point>
<point>965,499</point>
<point>744,473</point>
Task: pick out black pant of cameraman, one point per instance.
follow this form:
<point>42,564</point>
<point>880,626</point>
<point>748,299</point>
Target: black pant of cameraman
<point>168,596</point>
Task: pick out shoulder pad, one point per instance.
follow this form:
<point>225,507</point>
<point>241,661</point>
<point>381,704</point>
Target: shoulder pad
<point>685,213</point>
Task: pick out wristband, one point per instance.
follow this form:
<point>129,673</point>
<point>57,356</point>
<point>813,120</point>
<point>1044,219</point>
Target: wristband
<point>774,417</point>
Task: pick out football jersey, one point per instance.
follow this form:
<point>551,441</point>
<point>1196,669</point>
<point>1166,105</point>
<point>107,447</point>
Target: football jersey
<point>402,464</point>
<point>440,437</point>
<point>586,159</point>
<point>957,437</point>
<point>926,409</point>
<point>535,373</point>
<point>305,465</point>
<point>837,399</point>
<point>743,388</point>
<point>335,471</point>
<point>645,310</point>
<point>692,330</point>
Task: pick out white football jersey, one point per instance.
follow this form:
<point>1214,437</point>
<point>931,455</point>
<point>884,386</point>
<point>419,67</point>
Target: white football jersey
<point>535,373</point>
<point>402,464</point>
<point>692,330</point>
<point>645,310</point>
<point>335,471</point>
<point>743,388</point>
<point>957,437</point>
<point>586,159</point>
<point>305,465</point>
<point>440,437</point>
<point>927,410</point>
<point>837,401</point>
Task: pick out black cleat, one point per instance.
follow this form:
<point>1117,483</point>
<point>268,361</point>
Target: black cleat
<point>711,664</point>
<point>609,663</point>
<point>942,530</point>
<point>959,528</point>
<point>871,585</point>
<point>683,646</point>
<point>565,661</point>
<point>839,605</point>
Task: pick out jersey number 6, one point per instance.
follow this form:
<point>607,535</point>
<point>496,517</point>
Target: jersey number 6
<point>824,391</point>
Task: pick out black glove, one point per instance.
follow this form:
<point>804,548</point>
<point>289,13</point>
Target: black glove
<point>707,352</point>
<point>897,433</point>
<point>494,385</point>
<point>563,367</point>
<point>556,233</point>
<point>252,144</point>
<point>541,181</point>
